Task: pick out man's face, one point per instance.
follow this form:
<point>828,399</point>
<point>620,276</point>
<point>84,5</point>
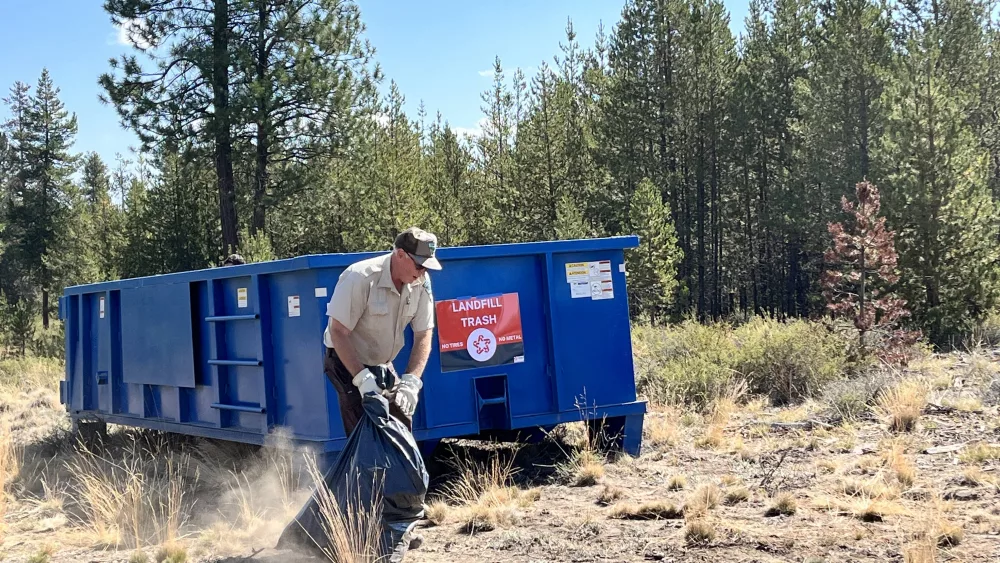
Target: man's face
<point>409,270</point>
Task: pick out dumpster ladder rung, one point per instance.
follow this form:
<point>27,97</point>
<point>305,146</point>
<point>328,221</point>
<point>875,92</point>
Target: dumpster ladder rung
<point>241,408</point>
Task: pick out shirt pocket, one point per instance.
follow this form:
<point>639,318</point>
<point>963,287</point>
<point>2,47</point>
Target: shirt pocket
<point>378,303</point>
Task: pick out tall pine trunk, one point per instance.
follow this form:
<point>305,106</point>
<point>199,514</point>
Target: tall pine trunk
<point>222,124</point>
<point>263,124</point>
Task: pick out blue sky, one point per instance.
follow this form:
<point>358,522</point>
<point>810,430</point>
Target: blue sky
<point>437,51</point>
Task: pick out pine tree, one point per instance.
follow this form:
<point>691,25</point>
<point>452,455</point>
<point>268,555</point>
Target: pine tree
<point>304,79</point>
<point>937,194</point>
<point>44,214</point>
<point>189,94</point>
<point>652,267</point>
<point>859,284</point>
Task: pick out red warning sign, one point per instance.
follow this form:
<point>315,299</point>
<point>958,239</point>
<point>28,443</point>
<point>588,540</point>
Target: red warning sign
<point>479,331</point>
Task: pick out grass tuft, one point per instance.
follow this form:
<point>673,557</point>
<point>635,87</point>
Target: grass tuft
<point>948,534</point>
<point>654,510</point>
<point>702,500</point>
<point>610,494</point>
<point>902,404</point>
<point>737,495</point>
<point>784,505</point>
<point>677,482</point>
<point>699,532</point>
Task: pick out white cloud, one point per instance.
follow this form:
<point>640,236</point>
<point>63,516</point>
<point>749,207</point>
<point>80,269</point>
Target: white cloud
<point>129,33</point>
<point>473,132</point>
<point>486,73</point>
<point>381,118</point>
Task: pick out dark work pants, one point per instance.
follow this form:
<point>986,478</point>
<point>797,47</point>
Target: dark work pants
<point>349,397</point>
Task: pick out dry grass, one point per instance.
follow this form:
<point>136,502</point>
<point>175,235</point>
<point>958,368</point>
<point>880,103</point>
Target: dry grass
<point>901,405</point>
<point>948,534</point>
<point>699,532</point>
<point>654,510</point>
<point>876,488</point>
<point>171,553</point>
<point>483,496</point>
<point>964,404</point>
<point>353,535</point>
<point>589,474</point>
<point>610,494</point>
<point>712,439</point>
<point>8,469</point>
<point>783,505</point>
<point>980,453</point>
<point>705,498</point>
<point>904,470</point>
<point>661,430</point>
<point>737,495</point>
<point>921,552</point>
<point>437,512</point>
<point>677,482</point>
<point>867,509</point>
<point>137,499</point>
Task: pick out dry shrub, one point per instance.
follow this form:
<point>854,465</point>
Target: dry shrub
<point>610,494</point>
<point>677,482</point>
<point>484,496</point>
<point>8,469</point>
<point>980,453</point>
<point>905,472</point>
<point>171,553</point>
<point>948,534</point>
<point>653,510</point>
<point>135,499</point>
<point>902,404</point>
<point>354,535</point>
<point>737,495</point>
<point>875,488</point>
<point>705,498</point>
<point>699,532</point>
<point>784,504</point>
<point>589,474</point>
<point>868,509</point>
<point>712,439</point>
<point>921,552</point>
<point>964,404</point>
<point>437,512</point>
<point>661,430</point>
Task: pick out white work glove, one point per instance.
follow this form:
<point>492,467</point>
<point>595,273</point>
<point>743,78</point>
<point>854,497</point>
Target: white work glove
<point>365,382</point>
<point>406,395</point>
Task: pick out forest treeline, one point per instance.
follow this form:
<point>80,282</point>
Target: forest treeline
<point>268,128</point>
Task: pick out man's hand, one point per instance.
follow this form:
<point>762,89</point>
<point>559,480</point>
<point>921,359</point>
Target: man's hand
<point>365,382</point>
<point>407,394</point>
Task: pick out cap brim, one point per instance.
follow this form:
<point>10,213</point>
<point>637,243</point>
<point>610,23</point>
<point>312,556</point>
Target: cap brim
<point>429,263</point>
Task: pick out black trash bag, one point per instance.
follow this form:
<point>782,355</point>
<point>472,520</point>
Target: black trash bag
<point>381,463</point>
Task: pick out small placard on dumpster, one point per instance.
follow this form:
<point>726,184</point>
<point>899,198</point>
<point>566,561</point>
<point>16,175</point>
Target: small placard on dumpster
<point>241,297</point>
<point>590,279</point>
<point>479,331</point>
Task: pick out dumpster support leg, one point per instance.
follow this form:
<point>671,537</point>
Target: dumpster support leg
<point>618,433</point>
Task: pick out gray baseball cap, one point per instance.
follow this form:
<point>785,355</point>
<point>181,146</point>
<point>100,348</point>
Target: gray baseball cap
<point>421,245</point>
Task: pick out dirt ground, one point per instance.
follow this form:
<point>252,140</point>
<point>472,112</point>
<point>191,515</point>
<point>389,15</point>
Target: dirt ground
<point>742,482</point>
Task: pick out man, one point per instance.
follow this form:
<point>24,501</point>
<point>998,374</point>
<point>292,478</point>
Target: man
<point>372,303</point>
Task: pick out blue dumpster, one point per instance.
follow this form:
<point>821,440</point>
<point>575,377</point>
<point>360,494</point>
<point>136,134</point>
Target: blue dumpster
<point>527,336</point>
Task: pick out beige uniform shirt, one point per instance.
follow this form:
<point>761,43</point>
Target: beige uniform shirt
<point>366,301</point>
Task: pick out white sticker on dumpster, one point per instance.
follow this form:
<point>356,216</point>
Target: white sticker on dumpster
<point>577,272</point>
<point>579,289</point>
<point>293,306</point>
<point>241,297</point>
<point>101,306</point>
<point>320,292</point>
